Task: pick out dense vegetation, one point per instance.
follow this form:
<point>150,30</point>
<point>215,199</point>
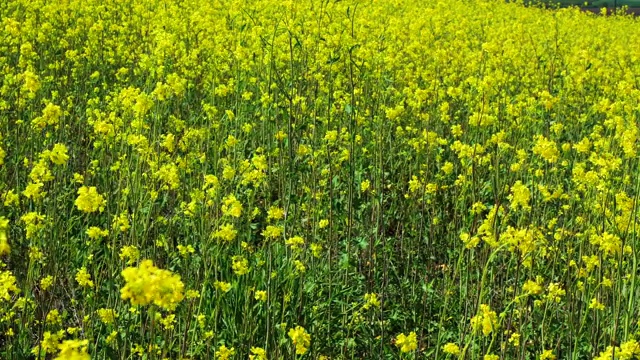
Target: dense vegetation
<point>317,179</point>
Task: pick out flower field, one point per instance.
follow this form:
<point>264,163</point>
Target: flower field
<point>318,179</point>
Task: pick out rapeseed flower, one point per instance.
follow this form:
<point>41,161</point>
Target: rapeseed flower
<point>261,295</point>
<point>73,350</point>
<point>520,196</point>
<point>275,213</point>
<point>147,284</point>
<point>222,286</point>
<point>258,353</point>
<point>371,300</point>
<point>96,233</point>
<point>547,355</point>
<point>301,339</point>
<point>4,243</point>
<point>46,282</point>
<point>107,316</point>
<point>240,265</point>
<point>295,242</point>
<point>89,200</point>
<point>84,278</point>
<point>486,320</point>
<point>596,305</point>
<point>231,206</point>
<point>225,353</point>
<point>532,287</point>
<point>407,343</point>
<point>451,348</point>
<point>34,191</point>
<point>58,155</point>
<point>226,232</point>
<point>129,253</point>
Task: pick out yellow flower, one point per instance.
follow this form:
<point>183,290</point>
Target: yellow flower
<point>31,82</point>
<point>364,185</point>
<point>228,172</point>
<point>96,233</point>
<point>547,149</point>
<point>226,232</point>
<point>222,286</point>
<point>58,155</point>
<point>192,294</point>
<point>49,343</point>
<point>520,195</point>
<point>610,244</point>
<point>11,198</point>
<point>168,321</point>
<point>231,206</point>
<point>185,250</point>
<point>547,355</point>
<point>407,343</point>
<point>224,353</point>
<point>487,320</point>
<point>258,353</point>
<point>275,213</point>
<point>40,171</point>
<point>169,142</point>
<point>331,136</point>
<point>447,168</point>
<point>46,282</point>
<point>50,116</point>
<point>316,250</point>
<point>147,284</point>
<point>272,232</point>
<point>107,316</point>
<point>295,242</point>
<point>4,242</point>
<point>240,265</point>
<point>371,299</point>
<point>73,350</point>
<point>630,349</point>
<point>532,287</point>
<point>35,254</point>
<point>112,337</point>
<point>451,348</point>
<point>261,295</point>
<point>514,339</point>
<point>34,191</point>
<point>300,268</point>
<point>121,222</point>
<point>53,317</point>
<point>301,339</point>
<point>89,200</point>
<point>469,241</point>
<point>129,253</point>
<point>596,305</point>
<point>555,292</point>
<point>84,278</point>
<point>168,174</point>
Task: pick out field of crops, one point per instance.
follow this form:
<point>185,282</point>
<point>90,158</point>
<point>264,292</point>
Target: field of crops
<point>317,179</point>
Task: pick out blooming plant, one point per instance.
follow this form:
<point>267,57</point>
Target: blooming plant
<point>195,179</point>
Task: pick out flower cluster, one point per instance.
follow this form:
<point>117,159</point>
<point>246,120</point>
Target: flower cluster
<point>146,284</point>
<point>301,339</point>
